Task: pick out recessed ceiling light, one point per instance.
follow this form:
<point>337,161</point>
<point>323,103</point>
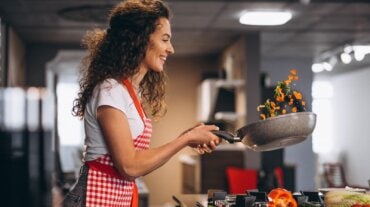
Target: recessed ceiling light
<point>86,13</point>
<point>265,18</point>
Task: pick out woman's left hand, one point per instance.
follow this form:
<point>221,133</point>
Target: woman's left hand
<point>201,139</point>
<point>201,149</point>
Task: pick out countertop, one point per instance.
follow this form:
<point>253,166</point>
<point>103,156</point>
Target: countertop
<point>192,199</point>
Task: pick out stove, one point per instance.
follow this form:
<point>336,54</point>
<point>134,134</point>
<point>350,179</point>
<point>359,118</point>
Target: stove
<point>219,198</point>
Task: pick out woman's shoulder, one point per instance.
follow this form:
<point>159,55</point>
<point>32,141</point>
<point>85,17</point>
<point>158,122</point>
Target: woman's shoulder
<point>109,83</point>
<point>112,86</point>
<point>111,89</point>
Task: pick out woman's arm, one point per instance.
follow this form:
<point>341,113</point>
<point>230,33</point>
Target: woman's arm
<point>133,163</point>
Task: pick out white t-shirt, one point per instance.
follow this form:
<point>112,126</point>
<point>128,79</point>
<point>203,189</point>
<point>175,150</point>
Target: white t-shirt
<point>114,94</point>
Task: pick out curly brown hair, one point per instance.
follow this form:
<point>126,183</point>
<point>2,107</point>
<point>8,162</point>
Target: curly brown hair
<point>117,52</point>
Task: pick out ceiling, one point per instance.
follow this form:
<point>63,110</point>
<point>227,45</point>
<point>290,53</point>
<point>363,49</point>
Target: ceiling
<point>204,27</point>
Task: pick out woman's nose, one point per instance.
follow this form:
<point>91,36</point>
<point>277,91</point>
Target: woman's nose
<point>170,49</point>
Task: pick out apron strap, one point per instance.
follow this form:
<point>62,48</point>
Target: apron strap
<point>134,98</point>
<point>135,197</point>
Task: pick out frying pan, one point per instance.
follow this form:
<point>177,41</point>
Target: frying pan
<point>273,133</point>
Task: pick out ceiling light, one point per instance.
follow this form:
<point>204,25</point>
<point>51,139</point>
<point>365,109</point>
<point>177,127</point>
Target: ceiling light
<point>265,18</point>
<point>360,51</point>
<point>86,13</point>
<point>346,58</point>
<point>317,67</point>
<point>327,60</point>
<point>359,56</point>
<point>327,66</point>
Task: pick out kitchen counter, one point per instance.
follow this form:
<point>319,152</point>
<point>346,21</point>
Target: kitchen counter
<point>187,200</point>
<point>192,199</point>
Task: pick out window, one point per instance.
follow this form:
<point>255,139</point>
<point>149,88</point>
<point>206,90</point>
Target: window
<point>322,137</point>
<point>70,128</point>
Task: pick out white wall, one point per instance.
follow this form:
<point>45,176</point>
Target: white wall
<point>300,155</point>
<point>351,123</point>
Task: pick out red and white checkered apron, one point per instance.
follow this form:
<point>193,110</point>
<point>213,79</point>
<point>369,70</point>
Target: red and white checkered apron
<point>105,186</point>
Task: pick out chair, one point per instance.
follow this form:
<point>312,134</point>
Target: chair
<point>240,179</point>
<point>335,176</point>
<point>279,174</point>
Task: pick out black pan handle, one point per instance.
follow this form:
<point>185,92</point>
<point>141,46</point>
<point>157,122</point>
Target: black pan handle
<point>227,136</point>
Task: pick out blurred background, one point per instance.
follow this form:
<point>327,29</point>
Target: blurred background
<point>220,72</point>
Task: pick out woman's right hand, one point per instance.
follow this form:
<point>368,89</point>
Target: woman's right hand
<point>201,138</point>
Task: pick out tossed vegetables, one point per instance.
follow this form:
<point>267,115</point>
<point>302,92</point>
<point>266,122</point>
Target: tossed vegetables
<point>286,100</point>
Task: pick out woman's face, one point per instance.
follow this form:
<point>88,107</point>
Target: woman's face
<point>160,46</point>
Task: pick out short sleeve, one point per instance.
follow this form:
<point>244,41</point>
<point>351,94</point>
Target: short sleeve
<point>114,94</point>
<point>111,93</point>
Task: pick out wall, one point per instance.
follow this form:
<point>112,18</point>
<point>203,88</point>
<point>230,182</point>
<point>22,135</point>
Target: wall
<point>184,77</point>
<point>38,54</point>
<point>234,64</point>
<point>300,155</point>
<point>244,59</point>
<point>351,124</point>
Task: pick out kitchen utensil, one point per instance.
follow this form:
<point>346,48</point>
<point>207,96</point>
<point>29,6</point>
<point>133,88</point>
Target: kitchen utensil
<point>178,202</point>
<point>273,133</point>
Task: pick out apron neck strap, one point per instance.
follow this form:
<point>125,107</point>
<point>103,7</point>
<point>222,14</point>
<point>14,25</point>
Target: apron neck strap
<point>134,98</point>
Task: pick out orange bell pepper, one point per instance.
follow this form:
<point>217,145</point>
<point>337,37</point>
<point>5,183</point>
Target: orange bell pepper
<point>280,197</point>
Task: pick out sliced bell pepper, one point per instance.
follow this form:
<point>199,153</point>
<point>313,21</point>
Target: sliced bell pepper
<point>280,197</point>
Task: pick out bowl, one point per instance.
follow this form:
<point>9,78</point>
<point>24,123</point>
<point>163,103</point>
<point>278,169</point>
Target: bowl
<point>347,189</point>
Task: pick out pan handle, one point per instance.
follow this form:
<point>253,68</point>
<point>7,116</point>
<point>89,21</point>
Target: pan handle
<point>226,136</point>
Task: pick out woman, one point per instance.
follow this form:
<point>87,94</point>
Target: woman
<point>124,71</point>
